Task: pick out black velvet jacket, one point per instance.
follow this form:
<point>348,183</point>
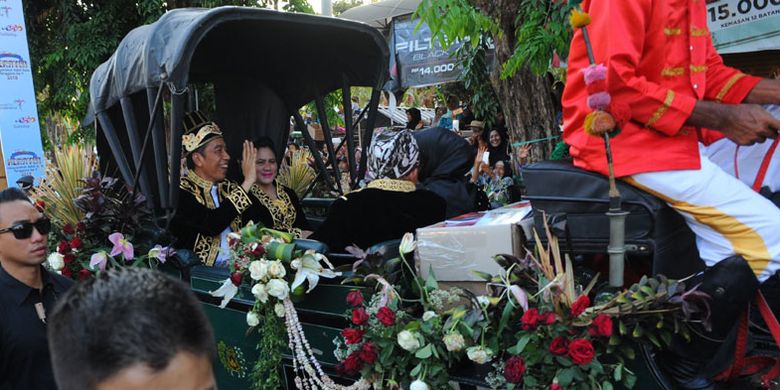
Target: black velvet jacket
<point>198,224</point>
<point>383,211</point>
<point>284,214</point>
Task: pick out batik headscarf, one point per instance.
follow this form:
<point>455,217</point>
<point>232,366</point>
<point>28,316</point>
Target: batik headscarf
<point>392,155</point>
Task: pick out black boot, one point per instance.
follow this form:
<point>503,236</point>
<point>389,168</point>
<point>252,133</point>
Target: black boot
<point>732,285</point>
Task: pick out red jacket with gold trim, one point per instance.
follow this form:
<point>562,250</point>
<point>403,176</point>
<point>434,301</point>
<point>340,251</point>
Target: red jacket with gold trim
<point>660,61</point>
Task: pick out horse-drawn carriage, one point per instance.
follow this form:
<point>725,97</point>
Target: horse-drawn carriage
<point>253,69</point>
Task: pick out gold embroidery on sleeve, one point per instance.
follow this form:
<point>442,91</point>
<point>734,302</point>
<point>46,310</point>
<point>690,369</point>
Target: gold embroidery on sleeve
<point>661,110</point>
<point>726,88</point>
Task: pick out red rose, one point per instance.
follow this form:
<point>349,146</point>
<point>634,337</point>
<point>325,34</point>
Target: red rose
<point>258,251</point>
<point>66,272</point>
<point>530,319</point>
<point>68,229</point>
<point>559,346</point>
<point>69,258</point>
<point>581,351</point>
<point>236,277</point>
<point>514,368</point>
<point>368,353</point>
<point>76,243</point>
<point>386,316</point>
<point>556,386</point>
<point>85,274</point>
<point>353,364</point>
<point>359,316</point>
<point>355,298</point>
<point>601,326</point>
<point>40,205</point>
<point>549,318</point>
<point>63,247</point>
<point>580,305</point>
<point>81,227</point>
<point>352,336</point>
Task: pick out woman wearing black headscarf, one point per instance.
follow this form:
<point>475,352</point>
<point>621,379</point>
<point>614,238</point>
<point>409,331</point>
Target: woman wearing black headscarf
<point>413,119</point>
<point>497,146</point>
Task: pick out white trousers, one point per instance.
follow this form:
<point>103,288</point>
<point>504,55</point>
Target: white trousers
<point>724,212</point>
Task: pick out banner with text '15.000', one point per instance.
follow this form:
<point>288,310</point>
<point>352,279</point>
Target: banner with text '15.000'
<point>19,125</point>
<point>740,26</point>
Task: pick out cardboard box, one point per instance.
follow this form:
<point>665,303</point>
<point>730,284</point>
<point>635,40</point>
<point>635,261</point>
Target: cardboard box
<point>454,248</point>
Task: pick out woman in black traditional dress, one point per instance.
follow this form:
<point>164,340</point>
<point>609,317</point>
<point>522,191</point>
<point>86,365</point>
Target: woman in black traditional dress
<point>279,205</point>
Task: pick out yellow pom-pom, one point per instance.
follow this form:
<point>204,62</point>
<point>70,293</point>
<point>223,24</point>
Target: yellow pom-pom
<point>597,123</point>
<point>579,19</point>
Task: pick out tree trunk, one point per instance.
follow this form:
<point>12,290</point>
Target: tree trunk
<point>526,98</point>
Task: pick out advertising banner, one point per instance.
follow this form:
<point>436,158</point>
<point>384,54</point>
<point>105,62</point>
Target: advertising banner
<point>740,26</point>
<point>19,124</point>
<point>420,60</point>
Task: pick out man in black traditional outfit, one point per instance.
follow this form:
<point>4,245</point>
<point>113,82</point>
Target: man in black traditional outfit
<point>210,206</point>
<point>390,205</point>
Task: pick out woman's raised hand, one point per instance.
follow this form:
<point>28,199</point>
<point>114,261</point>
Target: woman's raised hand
<point>248,157</point>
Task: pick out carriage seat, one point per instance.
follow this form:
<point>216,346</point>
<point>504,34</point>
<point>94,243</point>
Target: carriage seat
<point>580,198</point>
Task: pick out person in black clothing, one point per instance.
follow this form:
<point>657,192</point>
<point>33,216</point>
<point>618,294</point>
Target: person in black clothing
<point>497,146</point>
<point>445,159</point>
<point>414,119</point>
<point>27,292</point>
<point>131,328</point>
<point>210,206</point>
<point>278,205</point>
<point>390,205</point>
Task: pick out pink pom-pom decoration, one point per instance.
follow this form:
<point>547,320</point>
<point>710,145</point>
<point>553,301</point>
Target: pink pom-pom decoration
<point>594,73</point>
<point>599,101</point>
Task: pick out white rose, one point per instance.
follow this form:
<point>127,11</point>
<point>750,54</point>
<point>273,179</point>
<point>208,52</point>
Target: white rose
<point>258,270</point>
<point>408,341</point>
<point>277,288</point>
<point>454,341</point>
<point>479,354</point>
<point>418,385</point>
<point>259,292</point>
<point>279,310</point>
<point>295,264</point>
<point>428,315</point>
<point>56,261</point>
<point>252,319</point>
<point>276,269</point>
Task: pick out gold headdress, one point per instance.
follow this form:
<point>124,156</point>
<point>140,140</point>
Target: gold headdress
<point>198,131</point>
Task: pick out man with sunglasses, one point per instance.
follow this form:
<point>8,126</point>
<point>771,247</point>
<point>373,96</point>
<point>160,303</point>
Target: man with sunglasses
<point>27,292</point>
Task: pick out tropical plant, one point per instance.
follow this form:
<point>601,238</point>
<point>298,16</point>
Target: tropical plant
<point>299,175</point>
<point>63,183</point>
<point>526,34</point>
<point>114,222</point>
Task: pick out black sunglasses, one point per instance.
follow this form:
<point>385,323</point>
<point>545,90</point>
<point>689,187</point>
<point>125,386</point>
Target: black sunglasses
<point>23,230</point>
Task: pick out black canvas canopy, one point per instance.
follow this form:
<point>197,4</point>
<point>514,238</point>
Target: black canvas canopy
<point>263,64</point>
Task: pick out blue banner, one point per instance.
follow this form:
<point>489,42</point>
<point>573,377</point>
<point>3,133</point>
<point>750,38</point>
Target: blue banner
<point>20,133</point>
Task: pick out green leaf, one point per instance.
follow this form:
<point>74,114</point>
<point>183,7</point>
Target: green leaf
<point>424,352</point>
<point>614,340</point>
<point>606,385</point>
<point>629,380</point>
<point>617,374</point>
<point>483,275</point>
<point>504,318</point>
<point>622,328</point>
<point>416,370</point>
<point>520,346</point>
<point>565,377</point>
<point>563,361</point>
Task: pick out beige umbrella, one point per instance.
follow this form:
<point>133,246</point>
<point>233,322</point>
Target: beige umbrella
<point>380,14</point>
